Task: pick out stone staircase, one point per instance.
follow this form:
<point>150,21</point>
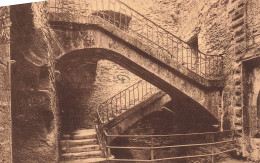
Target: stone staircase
<point>81,146</point>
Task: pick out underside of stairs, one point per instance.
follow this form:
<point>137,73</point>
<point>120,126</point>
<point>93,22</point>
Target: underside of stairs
<point>81,146</point>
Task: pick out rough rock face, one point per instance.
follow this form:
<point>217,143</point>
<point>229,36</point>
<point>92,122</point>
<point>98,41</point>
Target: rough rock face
<point>34,109</point>
<point>5,87</point>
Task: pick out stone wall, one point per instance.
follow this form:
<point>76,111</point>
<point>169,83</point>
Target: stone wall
<point>5,87</point>
<point>253,13</point>
<point>109,82</point>
<point>208,19</point>
<point>86,86</point>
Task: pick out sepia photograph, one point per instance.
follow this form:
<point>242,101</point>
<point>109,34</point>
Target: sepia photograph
<point>130,81</point>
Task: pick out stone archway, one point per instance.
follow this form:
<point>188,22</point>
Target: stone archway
<point>82,56</point>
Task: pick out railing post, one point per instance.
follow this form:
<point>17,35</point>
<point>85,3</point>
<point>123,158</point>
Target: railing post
<point>212,150</point>
<point>120,109</point>
<point>177,51</point>
<point>187,57</point>
<point>152,149</point>
<point>107,113</point>
<point>134,94</point>
<point>112,110</point>
<point>129,100</point>
<point>125,100</point>
<point>138,97</point>
<point>108,150</point>
<point>114,13</point>
<point>142,91</point>
<point>232,135</point>
<point>116,106</point>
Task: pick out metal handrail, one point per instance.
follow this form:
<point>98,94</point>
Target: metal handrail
<point>175,158</point>
<point>170,48</point>
<point>170,146</point>
<point>171,135</point>
<point>103,108</point>
<point>125,99</point>
<point>230,139</point>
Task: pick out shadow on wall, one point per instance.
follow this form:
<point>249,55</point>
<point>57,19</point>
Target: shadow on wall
<point>74,88</point>
<point>176,120</point>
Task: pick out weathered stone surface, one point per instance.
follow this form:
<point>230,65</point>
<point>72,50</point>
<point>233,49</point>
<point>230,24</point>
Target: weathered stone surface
<point>255,146</point>
<point>35,117</point>
<point>5,88</point>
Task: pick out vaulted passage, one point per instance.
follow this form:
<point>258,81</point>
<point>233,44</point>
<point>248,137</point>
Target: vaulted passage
<point>74,87</point>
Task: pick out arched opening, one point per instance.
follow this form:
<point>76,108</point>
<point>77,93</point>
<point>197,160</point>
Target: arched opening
<point>78,71</point>
<point>84,80</point>
<point>176,119</point>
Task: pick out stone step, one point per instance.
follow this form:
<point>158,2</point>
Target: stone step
<point>82,155</point>
<point>73,143</point>
<point>81,134</point>
<point>84,148</point>
<point>89,160</point>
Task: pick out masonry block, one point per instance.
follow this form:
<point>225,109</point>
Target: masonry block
<point>238,121</point>
<point>238,14</point>
<point>238,111</point>
<point>239,23</point>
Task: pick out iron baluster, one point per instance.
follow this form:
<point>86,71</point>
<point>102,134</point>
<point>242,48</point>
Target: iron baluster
<point>107,113</point>
<point>114,13</point>
<point>142,91</point>
<point>125,100</point>
<point>152,149</point>
<point>112,110</point>
<point>120,25</point>
<point>138,91</point>
<point>212,149</point>
<point>129,99</point>
<point>120,111</point>
<point>209,66</point>
<point>177,50</point>
<point>134,94</point>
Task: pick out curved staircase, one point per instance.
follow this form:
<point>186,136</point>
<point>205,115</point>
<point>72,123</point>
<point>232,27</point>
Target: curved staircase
<point>161,45</point>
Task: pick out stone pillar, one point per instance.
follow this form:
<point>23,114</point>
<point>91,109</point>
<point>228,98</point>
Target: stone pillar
<point>5,88</point>
<point>238,22</point>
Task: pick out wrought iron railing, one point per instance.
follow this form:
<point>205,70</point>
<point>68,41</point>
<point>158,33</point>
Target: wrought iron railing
<point>102,138</point>
<point>169,48</point>
<point>124,100</point>
<point>206,139</point>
